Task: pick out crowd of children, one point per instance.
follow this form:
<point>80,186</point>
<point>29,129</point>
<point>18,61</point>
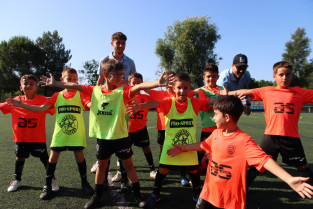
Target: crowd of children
<point>224,151</point>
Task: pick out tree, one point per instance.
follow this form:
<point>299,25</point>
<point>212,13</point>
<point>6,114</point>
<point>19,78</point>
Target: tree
<point>297,52</point>
<point>91,72</point>
<point>188,46</point>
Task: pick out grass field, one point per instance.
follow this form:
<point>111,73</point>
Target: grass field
<point>267,191</point>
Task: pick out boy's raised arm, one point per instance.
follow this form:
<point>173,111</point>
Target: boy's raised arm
<point>134,108</point>
<point>34,108</point>
<point>243,92</point>
<point>296,183</point>
<point>179,148</point>
<point>45,81</point>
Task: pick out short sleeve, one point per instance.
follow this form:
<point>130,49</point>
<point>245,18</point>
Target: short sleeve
<point>206,144</point>
<point>5,108</point>
<point>165,105</point>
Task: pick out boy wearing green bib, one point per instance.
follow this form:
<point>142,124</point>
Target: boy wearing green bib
<point>108,124</point>
<point>69,130</point>
<point>180,115</point>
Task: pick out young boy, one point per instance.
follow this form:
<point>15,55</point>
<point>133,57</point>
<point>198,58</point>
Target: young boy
<point>231,152</point>
<point>180,115</point>
<point>210,90</point>
<point>29,131</point>
<point>282,105</point>
<point>108,124</point>
<point>69,130</point>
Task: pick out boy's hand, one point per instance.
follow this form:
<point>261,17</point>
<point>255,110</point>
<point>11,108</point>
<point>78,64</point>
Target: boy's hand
<point>45,81</point>
<point>303,189</point>
<point>223,92</point>
<point>166,80</point>
<point>177,149</point>
<point>15,103</point>
<point>132,109</point>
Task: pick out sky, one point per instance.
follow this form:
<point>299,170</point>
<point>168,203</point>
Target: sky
<point>258,29</point>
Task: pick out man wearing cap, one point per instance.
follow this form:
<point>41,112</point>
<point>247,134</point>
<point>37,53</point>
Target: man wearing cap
<point>237,77</point>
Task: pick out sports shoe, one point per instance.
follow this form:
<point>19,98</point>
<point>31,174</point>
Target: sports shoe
<point>94,167</point>
<point>14,185</point>
<point>153,174</point>
<point>184,181</point>
<point>152,200</point>
<point>55,186</point>
<point>141,202</point>
<point>46,193</point>
<point>124,186</point>
<point>117,177</point>
<point>94,202</point>
<point>86,188</point>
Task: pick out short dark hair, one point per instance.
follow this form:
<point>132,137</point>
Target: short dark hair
<point>135,75</point>
<point>29,77</point>
<point>282,64</point>
<point>211,67</point>
<point>230,105</point>
<point>69,70</point>
<point>119,35</point>
<point>170,72</point>
<point>111,65</point>
<point>182,76</point>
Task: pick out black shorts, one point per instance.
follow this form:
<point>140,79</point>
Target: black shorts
<point>24,149</point>
<point>69,148</point>
<point>205,135</point>
<point>161,137</point>
<point>179,167</point>
<point>121,148</point>
<point>290,148</point>
<point>140,138</point>
<point>203,204</point>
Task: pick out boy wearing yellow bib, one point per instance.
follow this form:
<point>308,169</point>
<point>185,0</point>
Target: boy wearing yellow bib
<point>108,124</point>
<point>69,130</point>
<point>180,115</point>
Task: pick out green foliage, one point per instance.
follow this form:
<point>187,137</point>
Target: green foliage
<point>188,46</point>
<point>261,83</point>
<point>297,52</point>
<point>91,72</point>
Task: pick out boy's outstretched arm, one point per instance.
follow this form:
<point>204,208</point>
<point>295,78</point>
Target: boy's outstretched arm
<point>242,92</point>
<point>45,81</point>
<point>34,108</point>
<point>164,80</point>
<point>134,108</point>
<point>296,183</point>
<point>179,148</point>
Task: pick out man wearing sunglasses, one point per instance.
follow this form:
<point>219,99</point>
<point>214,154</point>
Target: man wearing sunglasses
<point>237,77</point>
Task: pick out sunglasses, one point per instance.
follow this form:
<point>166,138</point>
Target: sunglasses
<point>242,67</point>
<point>120,75</point>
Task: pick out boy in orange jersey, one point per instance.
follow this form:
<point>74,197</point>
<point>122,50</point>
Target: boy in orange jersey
<point>108,124</point>
<point>181,115</point>
<point>29,131</point>
<point>209,90</point>
<point>69,132</point>
<point>231,152</point>
<point>282,105</point>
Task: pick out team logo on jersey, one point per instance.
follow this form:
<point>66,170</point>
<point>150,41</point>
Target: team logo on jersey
<point>103,111</point>
<point>69,124</point>
<point>69,109</point>
<point>183,123</point>
<point>231,149</point>
<point>182,137</point>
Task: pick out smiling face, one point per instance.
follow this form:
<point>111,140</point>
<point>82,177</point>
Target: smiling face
<point>29,87</point>
<point>283,77</point>
<point>238,71</point>
<point>210,78</point>
<point>118,46</point>
<point>115,78</point>
<point>181,90</point>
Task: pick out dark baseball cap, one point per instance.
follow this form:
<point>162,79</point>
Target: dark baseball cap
<point>240,60</point>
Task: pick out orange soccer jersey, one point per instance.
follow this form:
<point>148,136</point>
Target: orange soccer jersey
<point>282,108</point>
<point>230,156</point>
<point>139,120</point>
<point>28,126</point>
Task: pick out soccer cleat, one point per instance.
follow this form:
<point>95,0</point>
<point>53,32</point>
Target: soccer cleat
<point>124,186</point>
<point>152,200</point>
<point>117,177</point>
<point>184,181</point>
<point>94,167</point>
<point>14,185</point>
<point>94,202</point>
<point>46,193</point>
<point>87,189</point>
<point>153,174</point>
<point>55,186</point>
<point>140,201</point>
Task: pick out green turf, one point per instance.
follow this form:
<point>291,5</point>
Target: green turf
<point>267,191</point>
